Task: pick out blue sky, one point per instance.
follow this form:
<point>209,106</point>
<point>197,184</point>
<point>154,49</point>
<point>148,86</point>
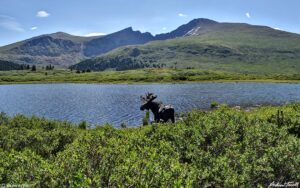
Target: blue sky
<point>22,19</point>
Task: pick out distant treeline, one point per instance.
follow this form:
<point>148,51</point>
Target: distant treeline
<point>116,63</point>
<point>7,66</point>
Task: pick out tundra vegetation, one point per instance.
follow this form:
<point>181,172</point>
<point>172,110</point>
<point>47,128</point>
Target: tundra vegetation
<point>225,147</point>
<point>164,75</point>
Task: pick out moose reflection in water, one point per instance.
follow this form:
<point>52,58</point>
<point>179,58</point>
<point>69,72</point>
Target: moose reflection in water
<point>161,112</point>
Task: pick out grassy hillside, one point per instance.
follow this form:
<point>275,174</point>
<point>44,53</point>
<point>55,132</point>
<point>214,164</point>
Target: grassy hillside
<point>137,76</point>
<point>228,47</point>
<point>57,48</point>
<point>221,148</point>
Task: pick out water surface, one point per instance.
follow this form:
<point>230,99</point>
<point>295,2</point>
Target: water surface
<point>117,103</point>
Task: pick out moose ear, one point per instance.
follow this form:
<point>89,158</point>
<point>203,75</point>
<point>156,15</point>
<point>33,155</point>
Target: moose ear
<point>142,98</point>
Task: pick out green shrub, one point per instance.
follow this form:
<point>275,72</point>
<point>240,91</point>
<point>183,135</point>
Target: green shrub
<point>146,119</point>
<point>221,148</point>
<point>123,125</point>
<point>213,105</point>
<point>82,125</point>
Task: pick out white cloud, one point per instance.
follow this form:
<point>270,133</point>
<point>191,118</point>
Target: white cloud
<point>164,28</point>
<point>277,28</point>
<point>182,15</point>
<point>42,14</point>
<point>34,28</point>
<point>94,34</point>
<point>10,23</point>
<point>248,15</point>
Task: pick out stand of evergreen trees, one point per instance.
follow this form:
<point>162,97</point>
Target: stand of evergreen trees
<point>6,66</point>
<point>117,63</point>
<point>49,67</point>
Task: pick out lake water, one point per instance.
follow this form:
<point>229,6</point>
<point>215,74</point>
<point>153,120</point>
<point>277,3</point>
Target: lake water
<point>114,104</point>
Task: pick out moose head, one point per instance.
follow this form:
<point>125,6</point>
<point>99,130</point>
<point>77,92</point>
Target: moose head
<point>147,101</point>
<point>161,112</point>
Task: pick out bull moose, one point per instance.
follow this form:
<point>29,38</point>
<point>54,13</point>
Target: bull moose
<point>161,112</point>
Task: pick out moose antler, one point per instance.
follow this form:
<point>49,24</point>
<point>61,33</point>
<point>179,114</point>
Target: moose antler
<point>150,96</point>
<point>143,99</point>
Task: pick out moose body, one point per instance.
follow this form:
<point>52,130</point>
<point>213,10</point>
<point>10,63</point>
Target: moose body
<point>161,112</point>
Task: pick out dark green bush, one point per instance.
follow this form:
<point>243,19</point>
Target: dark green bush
<point>146,119</point>
<point>82,125</point>
<point>213,105</point>
<point>221,148</point>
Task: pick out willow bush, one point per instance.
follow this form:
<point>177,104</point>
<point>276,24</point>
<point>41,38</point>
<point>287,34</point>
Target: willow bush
<point>225,147</point>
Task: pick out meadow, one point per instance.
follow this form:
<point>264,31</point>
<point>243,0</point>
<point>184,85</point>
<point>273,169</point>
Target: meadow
<point>162,75</point>
<point>225,147</point>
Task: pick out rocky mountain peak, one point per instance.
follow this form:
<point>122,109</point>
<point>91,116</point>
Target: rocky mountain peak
<point>194,27</point>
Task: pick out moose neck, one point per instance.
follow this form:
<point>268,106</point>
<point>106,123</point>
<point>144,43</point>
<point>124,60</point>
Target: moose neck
<point>154,107</point>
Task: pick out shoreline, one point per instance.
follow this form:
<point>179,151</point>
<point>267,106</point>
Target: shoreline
<point>166,82</point>
<point>239,108</point>
<point>141,76</point>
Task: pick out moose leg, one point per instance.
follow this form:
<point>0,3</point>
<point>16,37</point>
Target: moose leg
<point>169,115</point>
<point>173,119</point>
<point>172,115</point>
<point>156,119</point>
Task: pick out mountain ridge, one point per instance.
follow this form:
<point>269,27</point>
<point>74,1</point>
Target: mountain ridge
<point>63,49</point>
<point>123,37</point>
<point>234,47</point>
<point>185,29</point>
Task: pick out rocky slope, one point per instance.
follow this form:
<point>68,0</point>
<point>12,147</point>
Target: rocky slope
<point>62,49</point>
